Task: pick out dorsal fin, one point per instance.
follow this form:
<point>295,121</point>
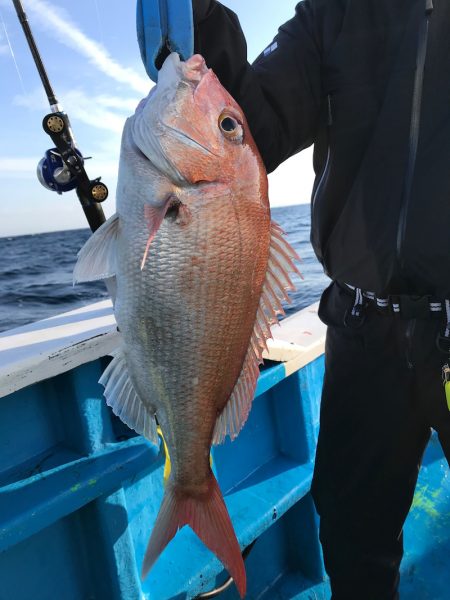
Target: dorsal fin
<point>275,288</point>
<point>123,399</point>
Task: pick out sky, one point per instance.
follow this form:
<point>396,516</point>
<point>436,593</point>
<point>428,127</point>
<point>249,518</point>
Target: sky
<point>92,58</point>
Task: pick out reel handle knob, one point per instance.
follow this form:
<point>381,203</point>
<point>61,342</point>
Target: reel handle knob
<point>54,123</point>
<point>99,191</point>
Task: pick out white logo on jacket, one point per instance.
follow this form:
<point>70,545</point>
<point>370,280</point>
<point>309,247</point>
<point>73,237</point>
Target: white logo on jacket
<point>270,49</point>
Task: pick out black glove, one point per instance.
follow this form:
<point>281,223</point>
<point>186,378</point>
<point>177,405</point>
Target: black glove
<point>201,8</point>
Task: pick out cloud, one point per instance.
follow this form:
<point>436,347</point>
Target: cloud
<point>85,109</point>
<point>126,104</point>
<point>92,110</point>
<point>58,23</point>
<point>18,167</point>
<point>16,164</point>
<point>292,182</point>
<point>35,100</point>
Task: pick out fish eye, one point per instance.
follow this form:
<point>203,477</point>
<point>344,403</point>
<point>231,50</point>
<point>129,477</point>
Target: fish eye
<point>228,124</point>
<point>231,128</point>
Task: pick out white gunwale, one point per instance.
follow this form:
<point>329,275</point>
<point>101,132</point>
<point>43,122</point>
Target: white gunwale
<point>56,345</point>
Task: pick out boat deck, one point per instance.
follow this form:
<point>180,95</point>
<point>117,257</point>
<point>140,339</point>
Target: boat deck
<point>79,491</point>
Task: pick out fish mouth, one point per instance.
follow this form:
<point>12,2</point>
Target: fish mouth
<point>190,74</point>
<point>194,68</point>
<point>156,145</point>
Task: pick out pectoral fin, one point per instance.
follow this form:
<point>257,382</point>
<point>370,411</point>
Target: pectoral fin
<point>97,258</point>
<point>154,216</point>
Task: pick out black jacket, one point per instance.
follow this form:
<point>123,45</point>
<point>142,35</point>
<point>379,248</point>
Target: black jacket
<point>368,82</point>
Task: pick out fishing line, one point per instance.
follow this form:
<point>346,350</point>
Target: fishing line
<point>12,54</point>
<point>100,26</point>
<point>219,590</point>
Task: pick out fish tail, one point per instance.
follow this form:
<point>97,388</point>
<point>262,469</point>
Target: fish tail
<point>207,515</point>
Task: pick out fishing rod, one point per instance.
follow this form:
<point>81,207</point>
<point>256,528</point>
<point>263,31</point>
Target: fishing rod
<point>62,168</point>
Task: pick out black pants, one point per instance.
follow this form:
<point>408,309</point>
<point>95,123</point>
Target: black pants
<point>382,395</point>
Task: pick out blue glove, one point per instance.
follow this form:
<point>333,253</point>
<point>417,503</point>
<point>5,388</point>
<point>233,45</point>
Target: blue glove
<point>164,26</point>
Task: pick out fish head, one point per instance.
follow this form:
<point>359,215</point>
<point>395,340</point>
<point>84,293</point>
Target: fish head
<point>187,146</point>
<point>190,127</point>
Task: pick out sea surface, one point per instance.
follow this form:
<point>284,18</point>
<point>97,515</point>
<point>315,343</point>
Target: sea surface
<point>36,271</point>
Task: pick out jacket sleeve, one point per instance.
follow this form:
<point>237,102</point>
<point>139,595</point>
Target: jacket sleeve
<point>280,93</point>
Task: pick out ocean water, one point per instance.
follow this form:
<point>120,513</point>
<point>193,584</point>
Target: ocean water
<point>36,271</point>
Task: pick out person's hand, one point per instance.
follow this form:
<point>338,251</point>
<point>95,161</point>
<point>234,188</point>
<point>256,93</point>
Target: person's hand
<point>200,8</point>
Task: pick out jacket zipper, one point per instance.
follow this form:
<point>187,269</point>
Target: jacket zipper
<point>324,175</point>
<point>414,127</point>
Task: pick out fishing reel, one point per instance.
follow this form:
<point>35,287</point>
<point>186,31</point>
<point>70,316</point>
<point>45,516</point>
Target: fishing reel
<point>54,174</point>
<point>62,168</point>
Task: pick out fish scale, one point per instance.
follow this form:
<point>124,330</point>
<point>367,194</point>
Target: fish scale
<point>192,354</point>
<point>200,274</point>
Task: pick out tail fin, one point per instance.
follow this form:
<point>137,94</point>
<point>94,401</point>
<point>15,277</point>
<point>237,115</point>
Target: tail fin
<point>207,515</point>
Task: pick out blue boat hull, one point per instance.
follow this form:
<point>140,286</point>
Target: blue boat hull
<point>80,492</point>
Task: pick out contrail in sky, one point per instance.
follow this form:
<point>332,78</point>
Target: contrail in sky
<point>70,34</point>
<point>4,49</point>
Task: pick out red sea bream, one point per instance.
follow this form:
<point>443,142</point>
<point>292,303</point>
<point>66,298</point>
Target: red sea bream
<point>200,272</point>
